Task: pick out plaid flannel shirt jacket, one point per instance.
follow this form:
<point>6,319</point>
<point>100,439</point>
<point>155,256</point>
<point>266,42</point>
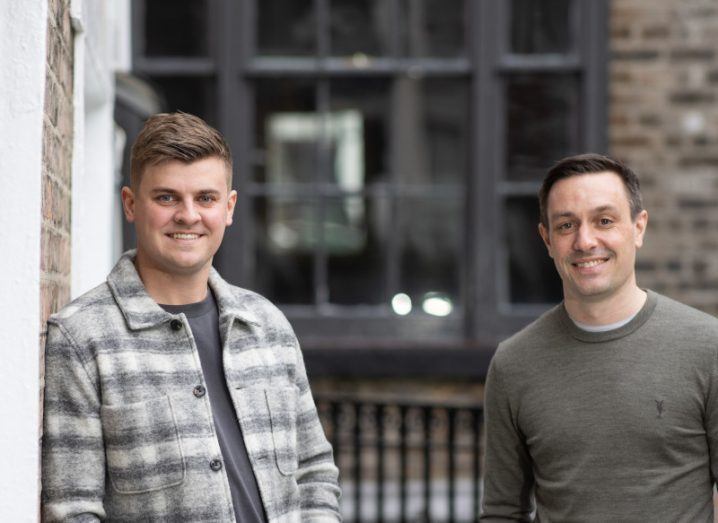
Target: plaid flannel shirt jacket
<point>125,438</point>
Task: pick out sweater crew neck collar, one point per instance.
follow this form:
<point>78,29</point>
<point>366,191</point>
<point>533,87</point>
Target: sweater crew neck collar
<point>599,337</point>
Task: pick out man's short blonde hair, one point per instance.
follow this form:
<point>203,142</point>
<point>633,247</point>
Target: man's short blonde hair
<point>176,136</point>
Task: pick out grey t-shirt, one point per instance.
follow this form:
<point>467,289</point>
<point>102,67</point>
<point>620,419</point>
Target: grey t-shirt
<point>203,318</point>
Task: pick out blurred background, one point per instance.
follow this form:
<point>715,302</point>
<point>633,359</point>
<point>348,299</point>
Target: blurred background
<point>387,158</point>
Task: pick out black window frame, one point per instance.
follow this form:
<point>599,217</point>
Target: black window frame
<point>335,338</point>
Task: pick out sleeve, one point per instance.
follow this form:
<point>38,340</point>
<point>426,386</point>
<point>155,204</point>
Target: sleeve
<point>317,476</point>
<point>711,422</point>
<point>508,475</point>
<point>73,457</point>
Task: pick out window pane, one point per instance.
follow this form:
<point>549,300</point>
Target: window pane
<point>354,239</point>
<point>357,129</point>
<point>431,118</point>
<point>285,239</point>
<point>433,28</point>
<point>361,26</point>
<point>176,28</point>
<point>286,132</point>
<point>430,231</point>
<point>541,122</point>
<point>286,27</point>
<point>191,95</point>
<point>532,275</point>
<point>541,26</point>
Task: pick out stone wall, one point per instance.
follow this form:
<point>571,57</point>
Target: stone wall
<point>57,162</point>
<point>664,123</point>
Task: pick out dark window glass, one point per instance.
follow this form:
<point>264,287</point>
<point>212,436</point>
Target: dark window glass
<point>355,236</point>
<point>542,123</point>
<point>357,129</point>
<point>189,94</point>
<point>176,28</point>
<point>532,274</point>
<point>286,234</point>
<point>361,26</point>
<point>286,27</point>
<point>431,121</point>
<point>540,26</point>
<point>430,234</point>
<point>433,28</point>
<point>287,131</point>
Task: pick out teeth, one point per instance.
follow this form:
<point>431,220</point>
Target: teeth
<point>182,236</point>
<point>591,263</point>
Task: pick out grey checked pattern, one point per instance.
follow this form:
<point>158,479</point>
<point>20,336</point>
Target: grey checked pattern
<point>125,439</point>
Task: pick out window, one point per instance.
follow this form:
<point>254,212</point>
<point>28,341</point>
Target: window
<point>388,152</point>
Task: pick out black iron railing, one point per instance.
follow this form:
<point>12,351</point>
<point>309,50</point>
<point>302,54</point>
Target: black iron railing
<point>405,461</point>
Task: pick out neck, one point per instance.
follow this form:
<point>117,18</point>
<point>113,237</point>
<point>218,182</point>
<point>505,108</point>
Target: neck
<point>606,310</point>
<point>173,289</point>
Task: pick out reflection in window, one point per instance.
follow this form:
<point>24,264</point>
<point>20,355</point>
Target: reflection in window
<point>284,269</point>
<point>370,97</point>
<point>532,275</point>
<point>275,97</point>
<point>286,27</point>
<point>189,94</point>
<point>184,28</point>
<point>292,138</point>
<point>431,247</point>
<point>433,28</point>
<point>357,270</point>
<point>541,122</point>
<point>540,27</point>
<point>432,120</point>
<point>360,26</point>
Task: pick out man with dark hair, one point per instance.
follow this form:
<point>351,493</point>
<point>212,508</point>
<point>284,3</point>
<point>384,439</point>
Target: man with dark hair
<point>170,394</point>
<point>606,407</point>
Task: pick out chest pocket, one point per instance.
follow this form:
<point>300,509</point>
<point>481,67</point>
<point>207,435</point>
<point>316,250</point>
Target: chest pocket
<point>270,416</point>
<point>142,446</point>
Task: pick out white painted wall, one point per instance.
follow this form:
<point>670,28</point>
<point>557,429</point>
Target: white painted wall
<point>23,28</point>
<point>100,35</point>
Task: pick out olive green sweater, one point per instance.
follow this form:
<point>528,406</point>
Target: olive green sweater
<point>612,426</point>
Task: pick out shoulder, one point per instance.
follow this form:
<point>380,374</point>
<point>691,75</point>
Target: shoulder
<point>94,303</point>
<point>539,333</point>
<point>683,321</point>
<point>88,317</point>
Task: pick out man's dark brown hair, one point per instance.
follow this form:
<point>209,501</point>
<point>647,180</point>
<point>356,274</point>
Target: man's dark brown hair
<point>589,164</point>
<point>176,136</point>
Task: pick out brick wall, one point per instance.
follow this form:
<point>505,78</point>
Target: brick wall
<point>664,123</point>
<point>57,162</point>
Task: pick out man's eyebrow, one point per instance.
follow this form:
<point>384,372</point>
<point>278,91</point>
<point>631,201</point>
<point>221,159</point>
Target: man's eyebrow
<point>597,210</point>
<point>564,214</point>
<point>607,207</point>
<point>162,189</point>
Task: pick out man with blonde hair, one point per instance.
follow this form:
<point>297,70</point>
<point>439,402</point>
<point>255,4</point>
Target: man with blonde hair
<point>170,394</point>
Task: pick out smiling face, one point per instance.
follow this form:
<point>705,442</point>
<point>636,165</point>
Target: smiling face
<point>591,236</point>
<point>180,211</point>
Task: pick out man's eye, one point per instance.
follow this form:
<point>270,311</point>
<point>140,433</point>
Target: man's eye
<point>206,198</point>
<point>605,221</point>
<point>165,198</point>
<point>565,226</point>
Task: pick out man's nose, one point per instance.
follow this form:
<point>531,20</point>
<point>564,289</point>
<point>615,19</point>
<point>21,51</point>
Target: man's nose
<point>187,213</point>
<point>585,239</point>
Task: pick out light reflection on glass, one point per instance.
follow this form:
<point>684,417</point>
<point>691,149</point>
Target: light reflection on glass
<point>401,303</point>
<point>437,304</point>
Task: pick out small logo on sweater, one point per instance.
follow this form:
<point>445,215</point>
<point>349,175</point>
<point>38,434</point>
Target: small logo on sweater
<point>659,408</point>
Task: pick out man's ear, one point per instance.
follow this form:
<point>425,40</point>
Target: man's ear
<point>543,232</point>
<point>231,202</point>
<point>128,203</point>
<point>640,224</point>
